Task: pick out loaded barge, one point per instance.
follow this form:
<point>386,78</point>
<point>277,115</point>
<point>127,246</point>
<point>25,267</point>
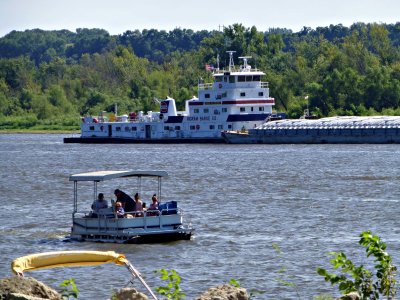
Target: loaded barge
<point>333,130</point>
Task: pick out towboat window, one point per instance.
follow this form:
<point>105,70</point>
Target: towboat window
<point>177,127</point>
<point>206,110</point>
<point>118,128</point>
<point>252,108</point>
<point>261,108</point>
<point>242,109</point>
<point>225,78</point>
<point>166,128</point>
<point>127,128</point>
<point>212,127</point>
<point>229,126</point>
<point>192,127</point>
<point>242,94</point>
<point>256,78</point>
<point>218,78</point>
<point>220,127</point>
<point>260,94</point>
<point>241,78</point>
<point>91,128</point>
<point>134,128</point>
<point>196,110</point>
<point>218,97</point>
<point>206,95</point>
<point>249,78</point>
<point>231,79</point>
<point>224,95</point>
<point>224,109</point>
<point>216,112</point>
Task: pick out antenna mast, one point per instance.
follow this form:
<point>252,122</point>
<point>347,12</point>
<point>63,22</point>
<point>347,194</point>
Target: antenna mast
<point>231,63</point>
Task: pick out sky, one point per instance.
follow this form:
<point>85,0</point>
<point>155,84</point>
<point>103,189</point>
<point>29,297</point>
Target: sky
<point>118,16</point>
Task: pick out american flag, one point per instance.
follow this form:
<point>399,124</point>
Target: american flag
<point>209,67</point>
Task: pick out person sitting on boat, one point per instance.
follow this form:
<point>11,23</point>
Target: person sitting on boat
<point>98,204</point>
<point>119,210</point>
<point>153,208</point>
<point>138,206</point>
<point>127,202</point>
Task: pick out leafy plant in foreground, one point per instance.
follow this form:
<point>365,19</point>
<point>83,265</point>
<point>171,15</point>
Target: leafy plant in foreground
<point>172,290</point>
<point>251,294</point>
<point>361,280</point>
<point>69,289</point>
<point>283,271</point>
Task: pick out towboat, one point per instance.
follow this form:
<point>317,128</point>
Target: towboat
<point>161,225</point>
<point>238,99</point>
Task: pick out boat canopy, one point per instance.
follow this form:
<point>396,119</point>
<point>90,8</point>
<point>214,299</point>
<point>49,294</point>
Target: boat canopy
<point>107,175</point>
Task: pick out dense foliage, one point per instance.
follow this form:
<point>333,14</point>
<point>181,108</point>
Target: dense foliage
<point>366,283</point>
<point>48,79</point>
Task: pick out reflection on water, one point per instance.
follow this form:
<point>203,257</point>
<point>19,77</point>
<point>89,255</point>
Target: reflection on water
<point>242,199</point>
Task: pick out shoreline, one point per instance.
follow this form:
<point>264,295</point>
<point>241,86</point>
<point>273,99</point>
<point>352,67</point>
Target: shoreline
<point>39,131</point>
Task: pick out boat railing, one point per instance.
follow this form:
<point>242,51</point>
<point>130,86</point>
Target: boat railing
<point>205,86</point>
<point>253,84</point>
<point>105,219</point>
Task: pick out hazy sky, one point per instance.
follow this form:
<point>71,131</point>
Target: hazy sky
<point>118,16</point>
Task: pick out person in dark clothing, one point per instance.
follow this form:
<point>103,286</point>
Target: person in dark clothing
<point>127,202</point>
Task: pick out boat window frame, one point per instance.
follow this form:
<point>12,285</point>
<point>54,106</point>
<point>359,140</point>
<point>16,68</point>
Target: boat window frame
<point>218,78</point>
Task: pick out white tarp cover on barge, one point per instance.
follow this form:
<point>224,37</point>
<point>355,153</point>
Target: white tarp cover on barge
<point>335,123</point>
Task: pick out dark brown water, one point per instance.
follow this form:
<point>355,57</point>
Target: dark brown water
<point>244,200</point>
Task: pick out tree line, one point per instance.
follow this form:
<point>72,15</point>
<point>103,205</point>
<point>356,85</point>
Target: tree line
<point>49,79</point>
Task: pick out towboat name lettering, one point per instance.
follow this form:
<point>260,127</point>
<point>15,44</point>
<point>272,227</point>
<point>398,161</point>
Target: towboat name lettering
<point>205,118</point>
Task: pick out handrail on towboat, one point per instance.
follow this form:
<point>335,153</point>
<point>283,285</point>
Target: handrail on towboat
<point>72,259</point>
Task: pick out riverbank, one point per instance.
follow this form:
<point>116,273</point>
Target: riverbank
<point>38,131</point>
<point>26,288</point>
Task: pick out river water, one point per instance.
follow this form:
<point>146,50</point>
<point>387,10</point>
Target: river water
<point>265,215</point>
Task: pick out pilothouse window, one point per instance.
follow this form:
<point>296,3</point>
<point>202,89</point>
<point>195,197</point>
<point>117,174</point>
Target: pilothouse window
<point>231,79</point>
